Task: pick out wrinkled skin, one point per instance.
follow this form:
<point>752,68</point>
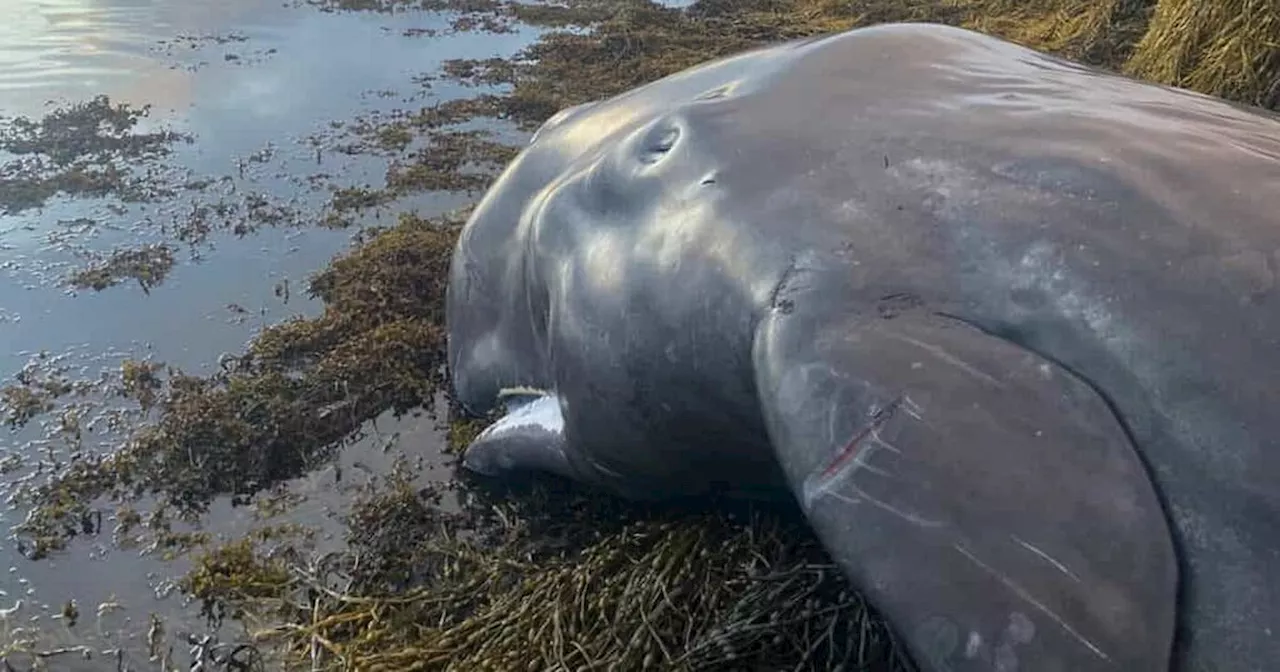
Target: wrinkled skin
<point>1005,326</point>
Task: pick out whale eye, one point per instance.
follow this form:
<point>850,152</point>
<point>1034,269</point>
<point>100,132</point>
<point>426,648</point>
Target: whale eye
<point>659,142</point>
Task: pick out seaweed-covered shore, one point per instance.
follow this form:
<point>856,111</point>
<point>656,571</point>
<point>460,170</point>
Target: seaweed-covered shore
<point>539,575</point>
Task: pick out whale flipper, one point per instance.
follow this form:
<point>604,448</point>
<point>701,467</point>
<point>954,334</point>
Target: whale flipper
<point>528,438</point>
<point>985,499</point>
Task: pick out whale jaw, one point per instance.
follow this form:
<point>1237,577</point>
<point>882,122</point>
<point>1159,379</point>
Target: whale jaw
<point>528,437</point>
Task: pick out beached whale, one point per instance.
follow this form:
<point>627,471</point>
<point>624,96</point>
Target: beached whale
<point>1007,327</point>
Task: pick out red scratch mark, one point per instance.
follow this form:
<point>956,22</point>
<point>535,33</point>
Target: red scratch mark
<point>851,449</point>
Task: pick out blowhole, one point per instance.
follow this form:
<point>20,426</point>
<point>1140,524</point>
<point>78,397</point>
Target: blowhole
<point>717,93</point>
<point>662,141</point>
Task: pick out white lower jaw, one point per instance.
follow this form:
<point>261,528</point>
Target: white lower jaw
<point>539,410</point>
<point>529,436</point>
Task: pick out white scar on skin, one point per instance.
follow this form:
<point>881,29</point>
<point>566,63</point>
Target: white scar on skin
<point>863,496</point>
<point>949,358</point>
<point>833,419</point>
<point>912,408</point>
<point>1027,597</point>
<point>605,470</point>
<point>1047,558</point>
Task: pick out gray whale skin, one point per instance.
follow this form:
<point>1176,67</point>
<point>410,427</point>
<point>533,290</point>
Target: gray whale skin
<point>1006,327</point>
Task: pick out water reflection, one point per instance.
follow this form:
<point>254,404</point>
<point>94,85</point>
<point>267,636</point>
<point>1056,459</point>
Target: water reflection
<point>79,48</point>
<point>323,69</point>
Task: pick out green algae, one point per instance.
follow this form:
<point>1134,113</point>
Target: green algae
<point>234,573</point>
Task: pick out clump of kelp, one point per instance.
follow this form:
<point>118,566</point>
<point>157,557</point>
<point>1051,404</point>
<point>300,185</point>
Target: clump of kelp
<point>147,265</point>
<point>542,576</point>
<point>86,149</point>
<point>103,149</point>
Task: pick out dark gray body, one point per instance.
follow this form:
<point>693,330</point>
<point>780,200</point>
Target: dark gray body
<point>1006,326</point>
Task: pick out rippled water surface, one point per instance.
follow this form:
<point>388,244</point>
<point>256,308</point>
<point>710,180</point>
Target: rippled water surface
<point>250,81</point>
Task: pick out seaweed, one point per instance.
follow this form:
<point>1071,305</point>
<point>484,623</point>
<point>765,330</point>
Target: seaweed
<point>147,265</point>
<point>93,129</point>
<point>1098,32</point>
<point>281,408</point>
<point>553,579</point>
<point>84,149</point>
<point>1226,48</point>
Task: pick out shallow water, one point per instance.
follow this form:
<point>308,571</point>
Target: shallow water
<point>251,81</point>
